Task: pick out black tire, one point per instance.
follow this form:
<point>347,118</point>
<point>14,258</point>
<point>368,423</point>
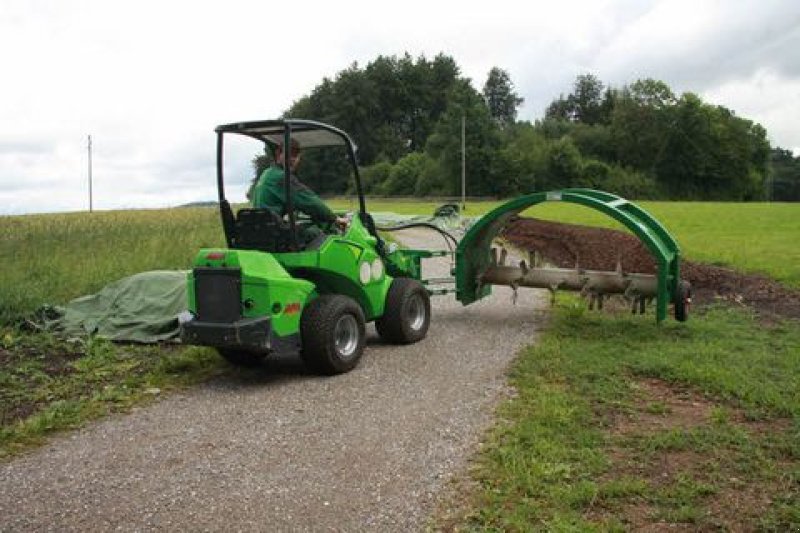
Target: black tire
<point>333,334</point>
<point>682,300</point>
<point>243,358</point>
<point>407,313</point>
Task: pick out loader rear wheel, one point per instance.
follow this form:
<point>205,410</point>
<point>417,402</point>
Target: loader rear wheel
<point>407,313</point>
<point>333,333</point>
<point>683,300</point>
<point>244,358</point>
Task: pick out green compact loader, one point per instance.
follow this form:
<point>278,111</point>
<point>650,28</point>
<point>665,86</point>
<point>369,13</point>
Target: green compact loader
<point>275,290</point>
<point>271,292</point>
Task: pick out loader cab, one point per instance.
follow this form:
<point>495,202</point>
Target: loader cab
<point>329,159</point>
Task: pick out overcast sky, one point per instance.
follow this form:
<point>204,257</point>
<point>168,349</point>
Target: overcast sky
<point>149,80</point>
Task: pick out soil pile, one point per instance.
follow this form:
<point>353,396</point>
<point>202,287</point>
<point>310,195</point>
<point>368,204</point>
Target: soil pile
<point>568,245</point>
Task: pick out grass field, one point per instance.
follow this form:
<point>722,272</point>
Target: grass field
<point>57,257</point>
<point>619,424</point>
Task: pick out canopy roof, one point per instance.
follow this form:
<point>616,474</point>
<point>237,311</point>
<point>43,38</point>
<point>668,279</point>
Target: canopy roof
<point>307,133</point>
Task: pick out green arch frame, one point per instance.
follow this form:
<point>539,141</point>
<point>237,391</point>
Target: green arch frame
<point>473,252</point>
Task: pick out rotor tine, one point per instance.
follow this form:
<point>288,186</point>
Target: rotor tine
<point>600,298</point>
<point>591,301</point>
<point>503,255</point>
<point>630,293</point>
<point>523,267</point>
<point>642,303</point>
<point>553,289</point>
<point>586,289</point>
<point>493,256</point>
<point>634,303</point>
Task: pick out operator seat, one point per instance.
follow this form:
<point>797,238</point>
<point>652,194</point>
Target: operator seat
<point>261,229</point>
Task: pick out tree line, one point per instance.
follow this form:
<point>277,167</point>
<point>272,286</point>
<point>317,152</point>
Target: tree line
<point>639,141</point>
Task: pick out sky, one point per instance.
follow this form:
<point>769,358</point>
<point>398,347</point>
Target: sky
<point>149,80</point>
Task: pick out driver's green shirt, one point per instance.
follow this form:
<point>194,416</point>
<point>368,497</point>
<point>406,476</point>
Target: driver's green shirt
<point>270,192</point>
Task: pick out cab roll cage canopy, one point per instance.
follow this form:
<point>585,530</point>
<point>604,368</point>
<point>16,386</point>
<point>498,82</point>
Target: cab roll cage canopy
<point>306,134</point>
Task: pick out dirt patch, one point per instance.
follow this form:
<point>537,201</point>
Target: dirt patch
<point>663,407</point>
<point>740,504</point>
<point>642,517</point>
<point>639,516</point>
<point>568,245</point>
<point>29,366</point>
<point>53,360</point>
<point>659,409</point>
<point>730,499</point>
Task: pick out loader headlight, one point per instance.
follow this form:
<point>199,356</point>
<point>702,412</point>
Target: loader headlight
<point>377,269</point>
<point>364,273</point>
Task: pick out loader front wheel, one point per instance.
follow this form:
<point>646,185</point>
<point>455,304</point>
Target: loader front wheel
<point>407,313</point>
<point>333,334</point>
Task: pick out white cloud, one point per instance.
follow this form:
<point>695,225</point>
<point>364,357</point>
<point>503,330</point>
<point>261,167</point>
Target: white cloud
<point>767,98</point>
<point>150,79</point>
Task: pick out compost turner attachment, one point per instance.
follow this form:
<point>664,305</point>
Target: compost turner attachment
<point>479,265</point>
<point>595,285</point>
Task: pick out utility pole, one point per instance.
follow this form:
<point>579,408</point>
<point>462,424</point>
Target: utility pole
<point>89,148</point>
<point>770,184</point>
<point>463,162</point>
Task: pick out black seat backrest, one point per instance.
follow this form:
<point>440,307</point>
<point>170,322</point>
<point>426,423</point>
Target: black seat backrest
<point>261,229</point>
<point>228,222</point>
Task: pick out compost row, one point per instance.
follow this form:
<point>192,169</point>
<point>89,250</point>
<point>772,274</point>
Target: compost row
<point>570,245</point>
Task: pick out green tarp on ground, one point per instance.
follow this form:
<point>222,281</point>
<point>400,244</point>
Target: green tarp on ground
<point>140,308</point>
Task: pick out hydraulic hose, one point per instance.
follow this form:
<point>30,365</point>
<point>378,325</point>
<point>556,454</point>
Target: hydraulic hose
<point>451,241</point>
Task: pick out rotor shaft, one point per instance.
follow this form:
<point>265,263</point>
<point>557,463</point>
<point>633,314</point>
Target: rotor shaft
<point>585,281</point>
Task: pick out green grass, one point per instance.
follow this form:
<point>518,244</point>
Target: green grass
<point>560,460</point>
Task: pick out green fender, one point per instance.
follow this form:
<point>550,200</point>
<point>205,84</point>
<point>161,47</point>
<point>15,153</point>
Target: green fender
<point>473,252</point>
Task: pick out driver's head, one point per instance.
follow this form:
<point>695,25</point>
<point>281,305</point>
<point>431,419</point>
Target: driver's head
<point>294,154</point>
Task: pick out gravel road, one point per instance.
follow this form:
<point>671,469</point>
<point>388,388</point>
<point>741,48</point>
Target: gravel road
<point>281,450</point>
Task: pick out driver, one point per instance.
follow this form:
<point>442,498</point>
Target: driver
<point>270,192</point>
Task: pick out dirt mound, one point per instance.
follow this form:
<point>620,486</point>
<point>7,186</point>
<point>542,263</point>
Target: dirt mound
<point>568,245</point>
